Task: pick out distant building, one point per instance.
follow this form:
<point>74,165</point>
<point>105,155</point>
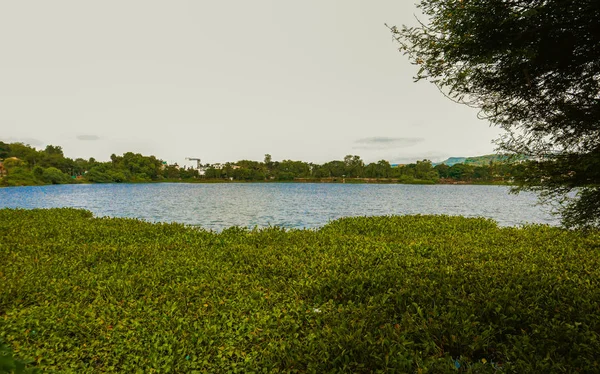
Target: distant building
<point>202,170</point>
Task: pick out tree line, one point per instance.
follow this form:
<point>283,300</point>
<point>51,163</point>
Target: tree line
<point>25,165</point>
<point>353,168</point>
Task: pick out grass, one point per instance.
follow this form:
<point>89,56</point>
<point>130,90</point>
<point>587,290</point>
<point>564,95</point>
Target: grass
<point>414,294</point>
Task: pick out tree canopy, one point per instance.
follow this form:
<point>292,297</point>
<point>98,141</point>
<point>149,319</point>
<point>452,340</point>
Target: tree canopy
<point>532,67</point>
<point>25,165</point>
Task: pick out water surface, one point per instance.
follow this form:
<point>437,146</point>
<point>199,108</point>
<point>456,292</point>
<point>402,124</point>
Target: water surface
<point>292,205</point>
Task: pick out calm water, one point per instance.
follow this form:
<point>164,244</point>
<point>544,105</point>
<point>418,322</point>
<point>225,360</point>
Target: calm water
<point>217,206</point>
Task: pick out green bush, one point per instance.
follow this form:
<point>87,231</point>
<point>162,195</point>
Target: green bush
<point>38,172</point>
<point>117,176</point>
<point>415,294</point>
<point>284,176</point>
<point>20,176</point>
<point>97,174</point>
<point>54,176</point>
<point>10,364</point>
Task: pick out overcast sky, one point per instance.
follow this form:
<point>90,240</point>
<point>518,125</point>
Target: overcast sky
<point>223,80</point>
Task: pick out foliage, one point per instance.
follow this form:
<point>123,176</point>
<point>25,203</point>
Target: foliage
<point>556,179</point>
<point>51,167</point>
<point>532,67</point>
<point>19,175</point>
<point>415,294</point>
<point>28,166</point>
<point>9,364</point>
<point>4,150</point>
<point>99,174</point>
<point>54,176</point>
<point>381,169</point>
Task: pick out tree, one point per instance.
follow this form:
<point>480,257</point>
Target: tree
<point>99,174</point>
<point>24,152</point>
<point>4,150</point>
<point>38,172</point>
<point>442,170</point>
<point>54,176</point>
<point>54,150</point>
<point>354,166</point>
<point>424,171</point>
<point>331,169</point>
<point>461,172</point>
<point>482,172</point>
<point>532,68</point>
<point>381,169</point>
<point>171,172</point>
<point>53,156</point>
<point>297,169</point>
<point>80,166</point>
<point>212,173</point>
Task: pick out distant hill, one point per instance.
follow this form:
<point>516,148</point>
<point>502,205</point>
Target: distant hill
<point>477,160</point>
<point>452,161</point>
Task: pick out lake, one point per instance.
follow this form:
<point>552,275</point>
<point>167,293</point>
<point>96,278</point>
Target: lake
<point>291,205</point>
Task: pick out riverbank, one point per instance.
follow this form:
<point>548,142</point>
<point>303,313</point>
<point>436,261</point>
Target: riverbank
<point>401,294</point>
<point>340,180</point>
<point>297,180</point>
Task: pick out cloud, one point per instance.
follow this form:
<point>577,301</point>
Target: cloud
<point>88,137</point>
<point>382,142</point>
<point>31,141</point>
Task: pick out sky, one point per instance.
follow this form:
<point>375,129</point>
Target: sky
<point>227,80</point>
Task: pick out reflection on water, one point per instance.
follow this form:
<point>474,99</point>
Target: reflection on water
<point>297,205</point>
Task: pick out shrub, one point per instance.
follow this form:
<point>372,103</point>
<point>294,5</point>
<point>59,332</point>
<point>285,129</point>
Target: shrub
<point>20,176</point>
<point>409,294</point>
<point>54,176</point>
<point>98,175</point>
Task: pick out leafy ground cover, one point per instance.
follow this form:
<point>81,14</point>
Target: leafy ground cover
<point>412,294</point>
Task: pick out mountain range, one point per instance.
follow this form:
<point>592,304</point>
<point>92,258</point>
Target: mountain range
<point>477,160</point>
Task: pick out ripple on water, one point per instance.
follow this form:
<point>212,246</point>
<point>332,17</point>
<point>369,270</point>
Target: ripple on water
<point>293,205</point>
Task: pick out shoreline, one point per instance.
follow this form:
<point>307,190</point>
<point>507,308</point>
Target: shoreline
<point>298,180</point>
